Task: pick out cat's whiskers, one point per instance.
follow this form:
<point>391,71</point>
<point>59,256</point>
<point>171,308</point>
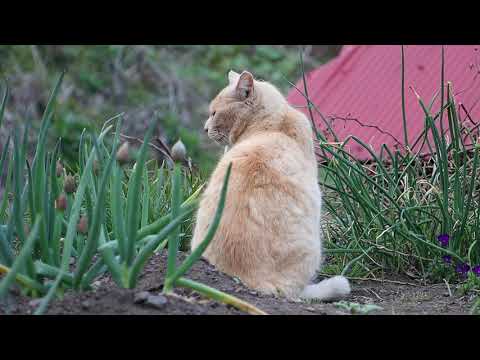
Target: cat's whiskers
<point>218,137</point>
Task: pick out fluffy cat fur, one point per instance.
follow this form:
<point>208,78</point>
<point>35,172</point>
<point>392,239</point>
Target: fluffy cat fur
<point>269,235</point>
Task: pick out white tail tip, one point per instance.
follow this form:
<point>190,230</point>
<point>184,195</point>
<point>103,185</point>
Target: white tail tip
<point>331,289</point>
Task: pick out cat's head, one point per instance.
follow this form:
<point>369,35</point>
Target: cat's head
<point>240,104</point>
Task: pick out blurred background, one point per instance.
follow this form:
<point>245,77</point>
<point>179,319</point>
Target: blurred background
<point>175,81</point>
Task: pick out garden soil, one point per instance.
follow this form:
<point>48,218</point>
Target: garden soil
<point>393,296</point>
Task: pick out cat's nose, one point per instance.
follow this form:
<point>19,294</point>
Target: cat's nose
<point>205,127</point>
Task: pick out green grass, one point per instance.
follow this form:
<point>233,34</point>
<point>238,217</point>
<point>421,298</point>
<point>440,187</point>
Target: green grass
<point>126,204</point>
<point>386,216</point>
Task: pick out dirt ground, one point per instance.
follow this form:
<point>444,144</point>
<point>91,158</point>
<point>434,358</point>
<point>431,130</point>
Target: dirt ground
<point>395,297</point>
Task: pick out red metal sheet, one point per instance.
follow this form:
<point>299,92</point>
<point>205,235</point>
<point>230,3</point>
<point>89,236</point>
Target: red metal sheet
<point>364,83</point>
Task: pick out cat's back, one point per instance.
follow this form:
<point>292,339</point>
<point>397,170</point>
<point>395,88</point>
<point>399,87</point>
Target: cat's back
<point>273,196</point>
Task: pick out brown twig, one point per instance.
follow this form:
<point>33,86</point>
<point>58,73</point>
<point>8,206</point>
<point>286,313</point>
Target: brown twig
<point>160,150</point>
<point>467,113</point>
<point>164,146</point>
<point>345,119</point>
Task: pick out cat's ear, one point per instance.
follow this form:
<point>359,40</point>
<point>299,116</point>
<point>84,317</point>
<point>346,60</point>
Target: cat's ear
<point>244,88</point>
<point>233,77</point>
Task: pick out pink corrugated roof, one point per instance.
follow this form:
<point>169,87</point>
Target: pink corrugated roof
<point>364,83</point>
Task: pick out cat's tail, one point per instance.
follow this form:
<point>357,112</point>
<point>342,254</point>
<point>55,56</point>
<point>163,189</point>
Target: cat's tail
<point>330,289</point>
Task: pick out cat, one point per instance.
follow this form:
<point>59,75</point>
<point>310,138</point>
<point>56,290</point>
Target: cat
<point>269,234</point>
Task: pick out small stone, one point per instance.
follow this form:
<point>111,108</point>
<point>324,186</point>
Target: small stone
<point>34,303</point>
<point>157,301</point>
<point>86,305</point>
<point>311,309</point>
<point>15,290</point>
<point>141,297</point>
<point>297,300</point>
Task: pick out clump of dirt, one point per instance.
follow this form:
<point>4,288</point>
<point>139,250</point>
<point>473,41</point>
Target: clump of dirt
<point>393,296</point>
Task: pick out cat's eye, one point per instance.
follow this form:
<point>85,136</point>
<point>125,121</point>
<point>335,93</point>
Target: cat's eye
<point>213,114</point>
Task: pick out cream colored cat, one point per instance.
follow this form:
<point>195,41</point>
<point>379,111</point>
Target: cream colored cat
<point>269,234</point>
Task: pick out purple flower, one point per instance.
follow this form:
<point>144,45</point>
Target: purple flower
<point>443,239</point>
<point>476,270</point>
<point>462,268</point>
<point>447,259</point>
